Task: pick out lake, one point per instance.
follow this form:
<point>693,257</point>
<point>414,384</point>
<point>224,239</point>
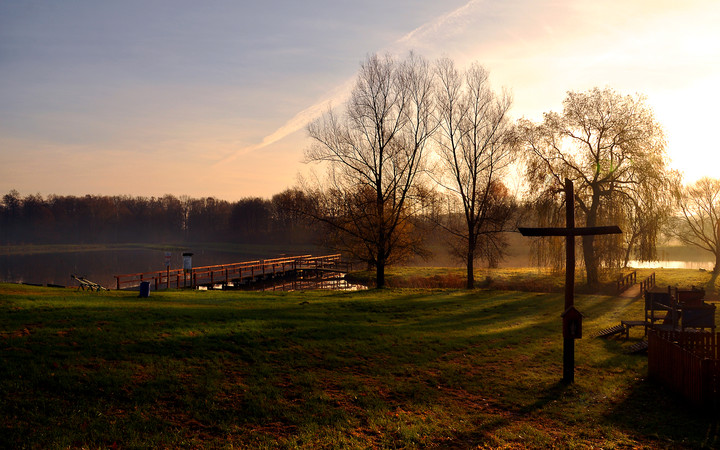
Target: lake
<point>697,265</point>
<point>101,266</point>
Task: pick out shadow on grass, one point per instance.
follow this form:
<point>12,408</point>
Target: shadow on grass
<point>670,420</point>
<point>340,362</point>
<point>553,393</point>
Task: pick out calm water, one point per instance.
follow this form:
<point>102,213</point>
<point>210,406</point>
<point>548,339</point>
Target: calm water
<point>100,266</point>
<point>697,265</point>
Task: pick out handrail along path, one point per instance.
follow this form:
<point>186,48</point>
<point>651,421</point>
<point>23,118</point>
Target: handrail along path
<point>240,272</point>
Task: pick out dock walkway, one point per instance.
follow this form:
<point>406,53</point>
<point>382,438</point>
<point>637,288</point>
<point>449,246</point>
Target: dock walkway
<point>233,274</point>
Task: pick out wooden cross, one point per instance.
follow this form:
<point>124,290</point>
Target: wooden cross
<point>569,232</point>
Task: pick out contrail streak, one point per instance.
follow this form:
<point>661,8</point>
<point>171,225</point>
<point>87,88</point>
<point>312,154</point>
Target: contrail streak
<point>340,94</point>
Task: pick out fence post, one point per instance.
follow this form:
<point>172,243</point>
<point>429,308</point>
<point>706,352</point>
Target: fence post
<point>706,384</point>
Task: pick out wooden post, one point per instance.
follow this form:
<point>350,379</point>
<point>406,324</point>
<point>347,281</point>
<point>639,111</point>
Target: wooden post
<point>569,342</point>
<point>570,231</point>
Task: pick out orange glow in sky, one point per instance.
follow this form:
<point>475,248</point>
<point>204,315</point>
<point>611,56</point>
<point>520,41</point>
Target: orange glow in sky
<point>140,99</point>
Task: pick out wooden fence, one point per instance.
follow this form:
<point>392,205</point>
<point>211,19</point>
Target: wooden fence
<point>246,271</point>
<point>686,362</point>
<point>626,281</point>
<point>648,283</point>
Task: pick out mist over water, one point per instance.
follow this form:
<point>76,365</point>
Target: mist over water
<point>101,266</point>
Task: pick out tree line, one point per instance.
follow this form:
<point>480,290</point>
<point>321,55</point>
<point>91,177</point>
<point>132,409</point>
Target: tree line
<point>423,152</point>
<point>168,219</point>
<point>431,140</point>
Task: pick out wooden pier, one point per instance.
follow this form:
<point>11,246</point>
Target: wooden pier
<point>234,274</point>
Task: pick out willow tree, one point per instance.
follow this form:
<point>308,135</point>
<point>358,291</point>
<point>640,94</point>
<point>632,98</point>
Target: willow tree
<point>643,216</point>
<point>613,149</point>
<point>475,143</point>
<point>374,150</point>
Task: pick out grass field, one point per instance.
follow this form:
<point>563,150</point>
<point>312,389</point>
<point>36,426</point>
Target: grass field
<point>391,368</point>
<point>530,279</point>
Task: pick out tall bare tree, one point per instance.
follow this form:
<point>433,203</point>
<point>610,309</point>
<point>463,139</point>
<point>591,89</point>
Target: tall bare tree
<point>475,144</point>
<point>609,145</point>
<point>374,151</point>
<point>699,204</point>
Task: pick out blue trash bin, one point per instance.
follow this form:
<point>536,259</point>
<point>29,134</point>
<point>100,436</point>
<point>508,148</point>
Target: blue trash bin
<point>144,289</point>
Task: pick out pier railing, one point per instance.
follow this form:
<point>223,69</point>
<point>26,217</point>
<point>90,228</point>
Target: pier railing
<point>625,281</point>
<point>246,271</point>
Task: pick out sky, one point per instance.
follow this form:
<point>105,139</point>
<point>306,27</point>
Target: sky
<point>154,97</point>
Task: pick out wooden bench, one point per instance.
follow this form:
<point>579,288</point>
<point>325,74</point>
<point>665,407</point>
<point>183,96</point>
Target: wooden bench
<point>661,308</point>
<point>87,284</point>
<point>627,324</point>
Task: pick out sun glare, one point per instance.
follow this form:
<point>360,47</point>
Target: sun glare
<point>689,116</point>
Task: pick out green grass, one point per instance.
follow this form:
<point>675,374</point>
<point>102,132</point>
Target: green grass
<point>526,278</point>
<point>391,368</point>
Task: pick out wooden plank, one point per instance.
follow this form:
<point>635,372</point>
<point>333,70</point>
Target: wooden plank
<point>638,347</point>
<point>607,332</point>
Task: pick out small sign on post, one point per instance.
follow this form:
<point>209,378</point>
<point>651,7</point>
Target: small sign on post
<point>572,323</point>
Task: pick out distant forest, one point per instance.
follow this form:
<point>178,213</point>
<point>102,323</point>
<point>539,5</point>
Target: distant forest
<point>122,219</point>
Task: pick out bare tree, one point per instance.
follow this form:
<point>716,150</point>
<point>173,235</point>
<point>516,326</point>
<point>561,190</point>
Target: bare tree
<point>610,146</point>
<point>475,146</point>
<point>374,152</point>
<point>699,204</point>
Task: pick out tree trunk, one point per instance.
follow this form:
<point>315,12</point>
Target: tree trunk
<point>628,251</point>
<point>716,269</point>
<point>591,265</point>
<point>626,259</point>
<point>710,286</point>
<point>380,273</point>
<point>380,211</point>
<point>470,268</point>
<point>588,243</point>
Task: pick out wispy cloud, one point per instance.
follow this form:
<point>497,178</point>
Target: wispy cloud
<point>338,96</point>
<point>297,122</point>
<point>543,51</point>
